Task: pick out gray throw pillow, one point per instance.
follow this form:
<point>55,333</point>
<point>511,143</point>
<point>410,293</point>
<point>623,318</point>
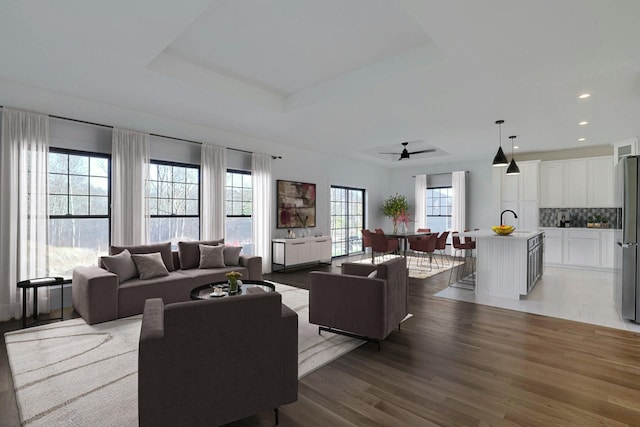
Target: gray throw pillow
<point>232,255</point>
<point>211,256</point>
<point>189,252</point>
<point>121,265</point>
<point>150,265</point>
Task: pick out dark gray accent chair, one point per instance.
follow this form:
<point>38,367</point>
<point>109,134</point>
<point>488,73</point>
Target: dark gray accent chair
<point>210,362</point>
<point>353,304</point>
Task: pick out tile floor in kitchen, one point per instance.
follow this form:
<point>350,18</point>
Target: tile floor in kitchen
<point>581,295</point>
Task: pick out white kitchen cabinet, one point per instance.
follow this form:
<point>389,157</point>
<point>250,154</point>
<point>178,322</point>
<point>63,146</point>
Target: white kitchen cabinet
<point>510,187</point>
<point>600,183</point>
<point>520,194</point>
<point>575,183</point>
<point>551,184</point>
<point>291,252</point>
<point>553,246</point>
<point>578,183</point>
<point>528,184</point>
<point>607,247</point>
<point>590,248</point>
<point>581,248</point>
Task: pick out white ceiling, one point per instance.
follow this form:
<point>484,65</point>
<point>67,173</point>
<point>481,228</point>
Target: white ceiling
<point>347,77</point>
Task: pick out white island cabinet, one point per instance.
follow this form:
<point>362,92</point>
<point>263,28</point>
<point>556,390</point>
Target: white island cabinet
<point>507,266</point>
<point>304,250</point>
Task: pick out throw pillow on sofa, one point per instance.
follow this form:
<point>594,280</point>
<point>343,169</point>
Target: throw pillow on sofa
<point>163,248</point>
<point>211,256</point>
<point>232,255</point>
<point>121,265</point>
<point>150,265</point>
<point>189,252</point>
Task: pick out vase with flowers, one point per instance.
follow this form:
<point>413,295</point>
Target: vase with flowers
<point>404,220</point>
<point>393,207</point>
<point>233,278</point>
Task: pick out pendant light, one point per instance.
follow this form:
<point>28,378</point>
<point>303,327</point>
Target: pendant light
<point>513,168</point>
<point>500,159</point>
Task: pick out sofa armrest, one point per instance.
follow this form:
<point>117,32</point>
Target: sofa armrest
<point>289,354</point>
<point>94,292</point>
<point>358,269</point>
<point>253,264</point>
<point>351,303</point>
<point>150,358</point>
<point>152,320</point>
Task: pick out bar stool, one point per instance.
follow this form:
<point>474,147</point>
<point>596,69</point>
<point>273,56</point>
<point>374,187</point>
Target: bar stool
<point>460,246</point>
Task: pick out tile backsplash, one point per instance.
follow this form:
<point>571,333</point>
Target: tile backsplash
<point>577,216</point>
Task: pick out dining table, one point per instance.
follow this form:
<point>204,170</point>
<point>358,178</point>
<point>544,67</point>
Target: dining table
<point>403,238</point>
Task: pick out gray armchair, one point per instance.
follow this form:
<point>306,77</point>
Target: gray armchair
<point>205,363</point>
<point>356,305</point>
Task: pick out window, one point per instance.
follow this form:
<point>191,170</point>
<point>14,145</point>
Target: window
<point>347,220</point>
<point>79,192</point>
<point>174,202</point>
<point>239,196</point>
<point>439,208</point>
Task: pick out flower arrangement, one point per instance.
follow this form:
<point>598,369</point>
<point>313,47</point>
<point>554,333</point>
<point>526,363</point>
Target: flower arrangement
<point>233,277</point>
<point>393,207</point>
<point>404,218</point>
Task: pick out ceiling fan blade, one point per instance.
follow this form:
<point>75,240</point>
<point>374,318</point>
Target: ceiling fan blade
<point>391,153</point>
<point>430,150</point>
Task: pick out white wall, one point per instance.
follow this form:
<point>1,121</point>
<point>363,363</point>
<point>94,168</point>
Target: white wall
<point>325,171</point>
<point>480,212</point>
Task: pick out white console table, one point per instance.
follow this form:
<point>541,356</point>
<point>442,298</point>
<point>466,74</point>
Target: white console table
<point>304,250</point>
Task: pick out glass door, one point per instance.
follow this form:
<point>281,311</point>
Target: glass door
<point>347,219</point>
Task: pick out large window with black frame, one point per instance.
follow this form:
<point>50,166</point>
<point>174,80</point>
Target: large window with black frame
<point>347,220</point>
<point>239,197</point>
<point>173,192</point>
<point>438,210</point>
<point>79,214</point>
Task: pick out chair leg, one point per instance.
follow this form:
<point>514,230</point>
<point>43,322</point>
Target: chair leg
<point>277,417</point>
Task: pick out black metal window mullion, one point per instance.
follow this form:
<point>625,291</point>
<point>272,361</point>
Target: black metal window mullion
<point>345,216</point>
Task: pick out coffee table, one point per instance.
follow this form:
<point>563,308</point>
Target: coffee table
<point>205,291</point>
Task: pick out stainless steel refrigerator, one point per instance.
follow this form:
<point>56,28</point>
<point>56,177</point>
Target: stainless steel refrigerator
<point>627,261</point>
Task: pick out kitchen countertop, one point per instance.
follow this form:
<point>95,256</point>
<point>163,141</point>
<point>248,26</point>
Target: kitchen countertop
<point>579,228</point>
<point>481,234</point>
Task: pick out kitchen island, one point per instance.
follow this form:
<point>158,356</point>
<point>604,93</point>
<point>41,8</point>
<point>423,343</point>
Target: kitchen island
<point>507,266</point>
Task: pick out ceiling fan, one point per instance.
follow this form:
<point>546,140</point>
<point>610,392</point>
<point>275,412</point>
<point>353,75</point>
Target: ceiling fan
<point>407,155</point>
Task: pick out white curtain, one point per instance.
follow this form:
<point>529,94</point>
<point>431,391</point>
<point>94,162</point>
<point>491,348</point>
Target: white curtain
<point>24,218</point>
<point>213,163</point>
<point>458,203</point>
<point>130,166</point>
<point>261,215</point>
<point>421,201</point>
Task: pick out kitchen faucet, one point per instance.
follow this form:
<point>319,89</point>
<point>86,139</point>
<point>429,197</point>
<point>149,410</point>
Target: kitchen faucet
<point>507,210</point>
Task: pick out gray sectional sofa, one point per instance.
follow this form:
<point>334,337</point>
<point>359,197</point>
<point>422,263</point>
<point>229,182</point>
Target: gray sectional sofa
<point>99,295</point>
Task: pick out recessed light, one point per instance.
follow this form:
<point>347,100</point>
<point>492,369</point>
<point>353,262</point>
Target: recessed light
<point>583,123</point>
<point>515,147</point>
<point>582,139</point>
<point>584,95</point>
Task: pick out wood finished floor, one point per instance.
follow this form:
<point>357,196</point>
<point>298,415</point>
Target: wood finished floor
<point>457,363</point>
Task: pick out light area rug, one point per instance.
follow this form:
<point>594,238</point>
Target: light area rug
<point>73,374</point>
<point>419,267</point>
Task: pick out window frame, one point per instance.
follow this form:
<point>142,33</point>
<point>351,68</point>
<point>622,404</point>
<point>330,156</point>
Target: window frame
<point>180,165</point>
<point>427,198</point>
<point>348,215</point>
<point>68,152</point>
<point>241,172</point>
